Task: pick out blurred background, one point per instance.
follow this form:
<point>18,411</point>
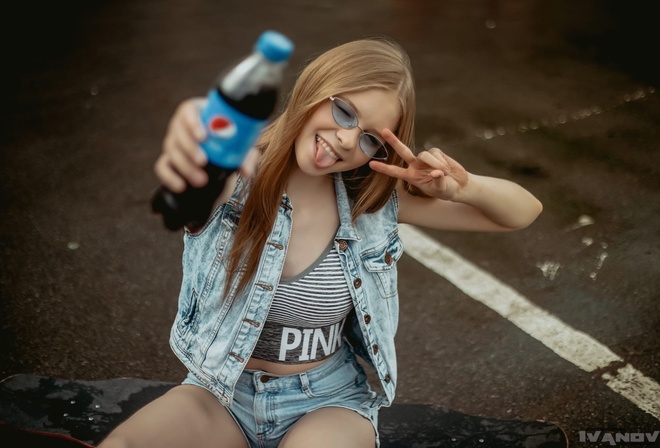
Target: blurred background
<point>559,96</point>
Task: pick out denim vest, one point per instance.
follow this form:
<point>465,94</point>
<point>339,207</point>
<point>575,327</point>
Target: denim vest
<point>215,331</point>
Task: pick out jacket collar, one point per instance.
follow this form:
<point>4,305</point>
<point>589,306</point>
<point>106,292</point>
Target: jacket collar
<point>346,230</point>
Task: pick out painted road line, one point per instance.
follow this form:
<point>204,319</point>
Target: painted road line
<point>640,389</point>
<point>573,345</point>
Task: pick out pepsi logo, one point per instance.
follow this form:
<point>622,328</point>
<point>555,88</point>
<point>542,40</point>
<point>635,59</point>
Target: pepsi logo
<point>222,126</point>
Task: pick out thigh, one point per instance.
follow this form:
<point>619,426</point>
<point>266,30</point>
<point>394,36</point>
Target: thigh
<point>186,415</point>
<point>331,427</point>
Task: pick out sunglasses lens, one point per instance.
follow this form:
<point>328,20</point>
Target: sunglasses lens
<point>371,146</point>
<point>343,114</point>
<point>345,117</point>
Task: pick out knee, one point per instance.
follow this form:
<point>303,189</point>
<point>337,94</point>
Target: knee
<point>114,440</point>
<point>331,427</point>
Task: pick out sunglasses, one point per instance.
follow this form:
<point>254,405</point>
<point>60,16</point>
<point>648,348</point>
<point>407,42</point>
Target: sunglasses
<point>346,117</point>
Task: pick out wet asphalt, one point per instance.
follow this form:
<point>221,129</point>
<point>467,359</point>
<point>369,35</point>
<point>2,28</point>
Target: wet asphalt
<point>557,96</point>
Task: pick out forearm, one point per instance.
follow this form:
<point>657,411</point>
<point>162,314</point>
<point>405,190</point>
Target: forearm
<point>503,202</point>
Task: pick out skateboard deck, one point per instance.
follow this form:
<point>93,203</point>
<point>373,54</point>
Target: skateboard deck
<point>38,411</point>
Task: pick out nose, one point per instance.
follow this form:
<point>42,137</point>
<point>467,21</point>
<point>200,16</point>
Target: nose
<point>348,138</point>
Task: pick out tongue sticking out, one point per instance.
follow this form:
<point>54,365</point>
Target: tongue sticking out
<point>322,158</point>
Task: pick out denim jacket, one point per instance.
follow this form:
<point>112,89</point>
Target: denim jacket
<point>215,331</point>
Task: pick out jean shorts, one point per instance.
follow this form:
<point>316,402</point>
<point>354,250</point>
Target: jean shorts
<point>265,406</point>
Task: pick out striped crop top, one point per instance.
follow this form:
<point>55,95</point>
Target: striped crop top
<point>308,312</point>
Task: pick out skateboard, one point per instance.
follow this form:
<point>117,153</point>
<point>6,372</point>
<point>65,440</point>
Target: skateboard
<point>39,411</point>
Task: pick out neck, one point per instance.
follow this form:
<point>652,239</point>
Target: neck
<point>302,183</point>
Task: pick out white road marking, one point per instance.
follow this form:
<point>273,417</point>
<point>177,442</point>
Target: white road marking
<point>573,345</point>
<point>640,389</point>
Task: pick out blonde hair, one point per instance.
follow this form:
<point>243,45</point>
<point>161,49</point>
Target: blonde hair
<point>360,65</point>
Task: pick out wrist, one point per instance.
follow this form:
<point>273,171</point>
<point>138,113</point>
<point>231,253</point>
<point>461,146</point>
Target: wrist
<point>469,191</point>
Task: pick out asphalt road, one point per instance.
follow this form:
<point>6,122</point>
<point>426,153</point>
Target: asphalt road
<point>556,96</point>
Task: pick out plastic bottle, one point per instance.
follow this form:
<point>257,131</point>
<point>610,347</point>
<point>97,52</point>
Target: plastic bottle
<point>237,109</point>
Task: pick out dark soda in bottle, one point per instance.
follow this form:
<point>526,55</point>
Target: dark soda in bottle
<point>236,111</point>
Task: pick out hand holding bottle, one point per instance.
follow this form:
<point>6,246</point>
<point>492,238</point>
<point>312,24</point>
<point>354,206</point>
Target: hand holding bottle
<point>182,160</point>
<point>224,127</point>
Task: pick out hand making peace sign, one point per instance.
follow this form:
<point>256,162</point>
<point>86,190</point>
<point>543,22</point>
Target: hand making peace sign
<point>432,171</point>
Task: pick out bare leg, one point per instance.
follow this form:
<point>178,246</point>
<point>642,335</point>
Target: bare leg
<point>185,416</point>
<point>331,427</point>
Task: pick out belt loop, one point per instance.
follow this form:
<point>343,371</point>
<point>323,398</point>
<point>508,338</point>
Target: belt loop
<point>304,380</point>
<point>256,382</point>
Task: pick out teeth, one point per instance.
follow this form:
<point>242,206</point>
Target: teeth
<point>327,149</point>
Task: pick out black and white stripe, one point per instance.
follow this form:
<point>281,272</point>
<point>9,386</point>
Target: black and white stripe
<point>316,298</point>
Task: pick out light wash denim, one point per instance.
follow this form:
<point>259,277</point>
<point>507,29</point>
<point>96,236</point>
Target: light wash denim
<point>265,406</point>
<point>215,331</point>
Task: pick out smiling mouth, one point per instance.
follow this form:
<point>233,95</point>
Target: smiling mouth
<point>327,148</point>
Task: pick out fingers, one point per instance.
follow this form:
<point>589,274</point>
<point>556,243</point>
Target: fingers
<point>396,144</point>
<point>182,160</point>
<point>433,172</point>
<point>435,160</point>
<point>168,176</point>
<point>409,174</point>
<point>390,170</point>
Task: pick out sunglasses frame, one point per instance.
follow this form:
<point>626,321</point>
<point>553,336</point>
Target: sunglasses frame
<point>383,146</point>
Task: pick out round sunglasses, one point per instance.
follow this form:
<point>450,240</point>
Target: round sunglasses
<point>346,117</point>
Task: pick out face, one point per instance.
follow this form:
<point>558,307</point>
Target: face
<point>324,146</point>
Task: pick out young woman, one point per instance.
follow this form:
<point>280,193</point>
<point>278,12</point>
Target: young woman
<point>294,275</point>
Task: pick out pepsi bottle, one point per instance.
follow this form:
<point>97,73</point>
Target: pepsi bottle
<point>237,109</point>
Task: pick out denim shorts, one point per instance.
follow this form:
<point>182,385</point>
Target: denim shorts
<point>265,406</point>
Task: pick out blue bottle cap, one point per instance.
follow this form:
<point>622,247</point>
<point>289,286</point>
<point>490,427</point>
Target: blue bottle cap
<point>274,46</point>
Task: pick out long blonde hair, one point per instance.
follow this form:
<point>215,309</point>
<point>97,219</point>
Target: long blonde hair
<point>355,66</point>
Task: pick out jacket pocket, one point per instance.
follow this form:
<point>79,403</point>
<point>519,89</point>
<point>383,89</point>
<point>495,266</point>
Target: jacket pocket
<point>187,316</point>
<point>381,261</point>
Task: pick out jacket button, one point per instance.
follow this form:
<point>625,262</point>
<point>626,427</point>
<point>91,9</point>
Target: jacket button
<point>388,258</point>
<point>357,282</point>
<point>388,378</point>
<point>375,348</point>
<point>367,318</point>
<point>343,245</point>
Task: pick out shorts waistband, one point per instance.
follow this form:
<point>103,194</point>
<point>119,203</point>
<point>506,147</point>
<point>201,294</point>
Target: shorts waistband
<point>265,381</point>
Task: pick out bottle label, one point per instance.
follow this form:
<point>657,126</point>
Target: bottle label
<point>230,134</point>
